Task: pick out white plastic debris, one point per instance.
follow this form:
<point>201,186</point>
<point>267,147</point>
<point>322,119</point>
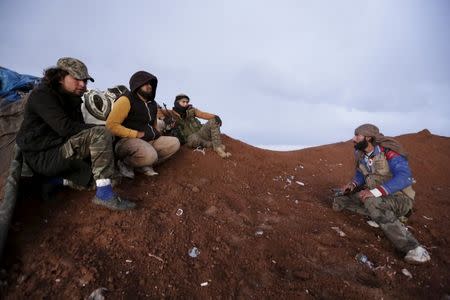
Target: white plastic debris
<point>98,294</point>
<point>194,252</point>
<point>179,212</point>
<point>259,233</point>
<point>339,231</point>
<point>199,149</point>
<point>57,280</point>
<point>204,283</point>
<point>407,273</point>
<point>373,224</point>
<point>300,183</point>
<point>128,261</point>
<point>427,218</point>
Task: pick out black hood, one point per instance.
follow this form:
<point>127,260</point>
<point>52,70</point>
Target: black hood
<point>140,78</point>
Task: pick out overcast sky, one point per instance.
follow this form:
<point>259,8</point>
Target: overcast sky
<point>277,72</point>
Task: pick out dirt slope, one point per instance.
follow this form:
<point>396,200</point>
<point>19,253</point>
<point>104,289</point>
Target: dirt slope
<point>258,235</point>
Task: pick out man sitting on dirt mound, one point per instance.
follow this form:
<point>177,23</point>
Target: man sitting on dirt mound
<point>57,143</point>
<point>383,179</point>
<point>134,119</point>
<point>192,132</point>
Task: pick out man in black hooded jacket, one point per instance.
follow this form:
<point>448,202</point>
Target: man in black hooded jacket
<point>133,119</point>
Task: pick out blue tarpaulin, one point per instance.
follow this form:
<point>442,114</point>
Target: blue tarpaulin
<point>11,83</point>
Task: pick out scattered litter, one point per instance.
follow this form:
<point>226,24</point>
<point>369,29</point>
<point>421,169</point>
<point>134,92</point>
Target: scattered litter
<point>362,258</point>
<point>296,201</point>
<point>98,294</point>
<point>179,212</point>
<point>339,231</point>
<point>373,224</point>
<point>427,218</point>
<point>407,273</point>
<point>288,180</point>
<point>157,257</point>
<point>57,280</point>
<point>199,149</point>
<point>297,167</point>
<point>204,283</point>
<point>300,183</point>
<point>194,252</point>
<point>273,261</point>
<point>259,233</point>
<point>127,272</point>
<point>128,261</point>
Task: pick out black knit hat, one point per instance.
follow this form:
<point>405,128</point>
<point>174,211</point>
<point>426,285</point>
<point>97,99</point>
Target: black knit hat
<point>140,78</point>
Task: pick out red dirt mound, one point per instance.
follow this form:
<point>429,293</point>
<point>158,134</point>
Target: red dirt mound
<point>261,220</point>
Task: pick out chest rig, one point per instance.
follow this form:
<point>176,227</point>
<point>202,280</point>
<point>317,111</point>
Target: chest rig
<point>190,124</point>
<point>376,172</point>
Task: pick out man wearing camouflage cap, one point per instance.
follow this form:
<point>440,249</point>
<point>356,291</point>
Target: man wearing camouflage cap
<point>57,144</point>
<point>381,189</point>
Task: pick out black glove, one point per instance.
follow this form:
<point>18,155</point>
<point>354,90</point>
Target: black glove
<point>218,120</point>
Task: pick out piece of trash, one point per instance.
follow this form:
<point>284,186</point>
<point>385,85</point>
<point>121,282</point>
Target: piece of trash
<point>259,232</point>
<point>373,224</point>
<point>98,294</point>
<point>157,257</point>
<point>407,273</point>
<point>300,183</point>
<point>339,231</point>
<point>128,261</point>
<point>296,201</point>
<point>204,283</point>
<point>288,181</point>
<point>57,280</point>
<point>362,258</point>
<point>179,212</point>
<point>427,218</point>
<point>199,149</point>
<point>194,252</point>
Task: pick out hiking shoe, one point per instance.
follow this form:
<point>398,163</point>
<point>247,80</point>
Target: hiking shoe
<point>418,255</point>
<point>116,203</point>
<point>147,170</point>
<point>125,170</point>
<point>221,152</point>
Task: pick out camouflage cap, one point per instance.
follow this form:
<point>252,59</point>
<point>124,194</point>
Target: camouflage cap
<point>75,67</point>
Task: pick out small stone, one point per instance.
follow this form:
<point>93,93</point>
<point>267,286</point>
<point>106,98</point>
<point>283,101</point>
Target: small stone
<point>195,189</point>
<point>211,210</point>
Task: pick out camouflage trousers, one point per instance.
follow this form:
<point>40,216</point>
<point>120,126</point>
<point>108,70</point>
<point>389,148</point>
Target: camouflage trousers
<point>94,144</point>
<point>208,136</point>
<point>385,211</point>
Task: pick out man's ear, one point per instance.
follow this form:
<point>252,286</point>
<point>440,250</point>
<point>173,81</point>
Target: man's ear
<point>369,139</point>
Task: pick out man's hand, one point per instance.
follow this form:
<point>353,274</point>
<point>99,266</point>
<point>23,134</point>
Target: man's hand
<point>348,188</point>
<point>364,194</point>
<point>140,134</point>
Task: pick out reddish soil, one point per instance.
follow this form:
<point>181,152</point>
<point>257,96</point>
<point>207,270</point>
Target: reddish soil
<point>66,248</point>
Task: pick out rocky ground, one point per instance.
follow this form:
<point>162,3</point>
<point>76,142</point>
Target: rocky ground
<point>261,221</point>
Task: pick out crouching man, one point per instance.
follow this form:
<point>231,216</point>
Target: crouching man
<point>192,132</point>
<point>57,143</point>
<point>133,120</point>
<point>383,179</point>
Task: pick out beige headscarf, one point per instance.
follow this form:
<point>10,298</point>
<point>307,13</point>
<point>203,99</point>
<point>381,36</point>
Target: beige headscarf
<point>379,139</point>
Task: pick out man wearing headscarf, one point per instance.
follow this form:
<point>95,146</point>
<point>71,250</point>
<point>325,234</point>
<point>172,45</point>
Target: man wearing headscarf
<point>381,189</point>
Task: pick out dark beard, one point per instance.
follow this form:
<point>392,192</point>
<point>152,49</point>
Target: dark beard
<point>361,145</point>
<point>145,95</point>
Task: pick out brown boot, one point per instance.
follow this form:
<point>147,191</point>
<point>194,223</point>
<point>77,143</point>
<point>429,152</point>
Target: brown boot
<point>220,150</point>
